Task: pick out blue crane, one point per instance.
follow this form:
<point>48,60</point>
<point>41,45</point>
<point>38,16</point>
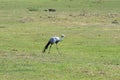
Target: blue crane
<point>53,40</point>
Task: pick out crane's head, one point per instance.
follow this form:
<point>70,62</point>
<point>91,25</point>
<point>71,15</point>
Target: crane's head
<point>62,36</point>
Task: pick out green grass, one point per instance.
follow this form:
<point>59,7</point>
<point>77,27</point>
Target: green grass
<point>90,50</point>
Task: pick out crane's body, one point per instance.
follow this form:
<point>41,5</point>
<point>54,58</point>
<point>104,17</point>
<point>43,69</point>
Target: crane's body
<point>53,40</point>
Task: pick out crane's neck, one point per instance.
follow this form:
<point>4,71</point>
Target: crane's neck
<point>61,38</point>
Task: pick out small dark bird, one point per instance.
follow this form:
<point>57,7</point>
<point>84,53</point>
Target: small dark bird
<point>53,40</point>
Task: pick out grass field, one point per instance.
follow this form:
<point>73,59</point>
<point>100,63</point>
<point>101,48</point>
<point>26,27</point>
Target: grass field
<point>90,50</point>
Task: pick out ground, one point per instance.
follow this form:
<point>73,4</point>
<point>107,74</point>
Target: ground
<point>89,51</point>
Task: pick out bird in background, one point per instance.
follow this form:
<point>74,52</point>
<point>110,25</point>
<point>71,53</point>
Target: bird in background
<point>53,40</point>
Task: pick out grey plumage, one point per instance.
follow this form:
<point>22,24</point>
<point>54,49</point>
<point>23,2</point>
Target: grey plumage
<point>53,40</point>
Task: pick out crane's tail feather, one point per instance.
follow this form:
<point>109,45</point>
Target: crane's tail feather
<point>46,46</point>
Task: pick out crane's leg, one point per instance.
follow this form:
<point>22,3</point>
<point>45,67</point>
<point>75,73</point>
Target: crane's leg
<point>57,49</point>
<point>50,48</point>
